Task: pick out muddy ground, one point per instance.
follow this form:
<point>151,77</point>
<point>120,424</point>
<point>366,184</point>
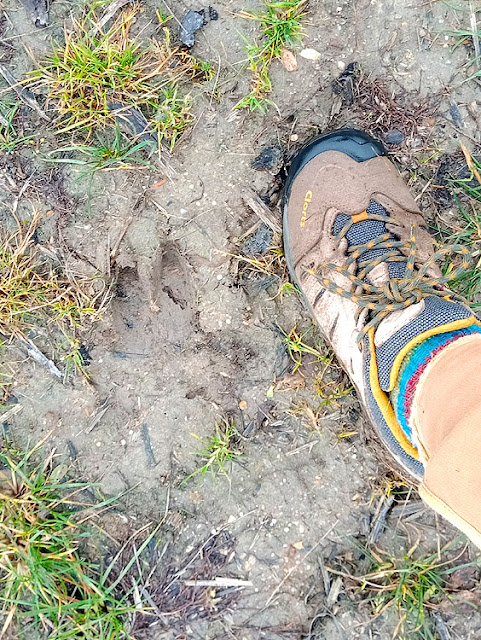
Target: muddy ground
<point>187,336</point>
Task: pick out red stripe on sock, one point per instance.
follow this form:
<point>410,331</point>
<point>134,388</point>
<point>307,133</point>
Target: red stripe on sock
<point>411,385</point>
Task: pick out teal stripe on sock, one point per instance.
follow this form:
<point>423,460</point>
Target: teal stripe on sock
<point>415,359</point>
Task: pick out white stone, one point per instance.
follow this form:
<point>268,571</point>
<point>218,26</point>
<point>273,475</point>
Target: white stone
<point>310,54</point>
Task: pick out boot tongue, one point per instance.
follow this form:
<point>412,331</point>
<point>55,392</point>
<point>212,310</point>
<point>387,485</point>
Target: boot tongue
<point>364,231</point>
<point>401,328</point>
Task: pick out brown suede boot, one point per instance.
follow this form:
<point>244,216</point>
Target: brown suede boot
<point>358,248</point>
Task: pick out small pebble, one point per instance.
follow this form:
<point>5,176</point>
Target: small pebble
<point>310,54</point>
<point>242,405</point>
<point>270,158</point>
<point>394,136</point>
<point>191,22</point>
<point>259,242</point>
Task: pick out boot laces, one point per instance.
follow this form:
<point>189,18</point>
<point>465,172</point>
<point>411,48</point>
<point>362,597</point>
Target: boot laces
<point>395,293</point>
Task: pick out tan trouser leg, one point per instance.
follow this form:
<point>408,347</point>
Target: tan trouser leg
<point>447,416</point>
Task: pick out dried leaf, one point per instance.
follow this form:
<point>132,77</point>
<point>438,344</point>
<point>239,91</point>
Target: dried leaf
<point>288,59</point>
<point>464,578</point>
<point>464,601</point>
<point>291,381</point>
<point>58,473</point>
<point>311,416</point>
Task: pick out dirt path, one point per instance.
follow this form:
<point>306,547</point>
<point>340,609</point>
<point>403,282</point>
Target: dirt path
<point>187,338</point>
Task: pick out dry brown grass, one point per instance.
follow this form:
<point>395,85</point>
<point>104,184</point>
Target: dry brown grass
<point>34,284</point>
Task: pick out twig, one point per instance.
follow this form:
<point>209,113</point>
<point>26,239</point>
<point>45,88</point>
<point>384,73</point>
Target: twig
<point>21,192</point>
<point>322,614</point>
<point>325,578</point>
<point>251,230</point>
<point>115,248</point>
<point>22,92</point>
<point>470,163</point>
<point>109,13</point>
<point>252,200</point>
<point>474,29</point>
<point>98,416</point>
<point>380,520</point>
<point>35,353</point>
<point>363,579</point>
<point>179,573</point>
<point>334,592</point>
<point>7,622</point>
<point>149,452</point>
<point>441,627</point>
<point>152,604</point>
<point>5,417</point>
<point>426,186</point>
<point>292,569</point>
<point>215,81</point>
<point>218,582</point>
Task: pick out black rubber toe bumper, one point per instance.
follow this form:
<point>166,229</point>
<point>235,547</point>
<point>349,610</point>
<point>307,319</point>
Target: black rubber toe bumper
<point>358,145</point>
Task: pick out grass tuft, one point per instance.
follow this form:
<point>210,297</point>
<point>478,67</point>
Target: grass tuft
<point>221,448</point>
<point>470,38</point>
<point>173,116</point>
<point>46,587</point>
<point>331,385</point>
<point>32,285</point>
<point>467,194</point>
<point>281,27</point>
<point>9,139</point>
<point>75,360</point>
<point>106,156</point>
<point>297,347</point>
<point>411,590</point>
<point>272,264</point>
<point>37,289</point>
<point>96,70</point>
<point>413,586</point>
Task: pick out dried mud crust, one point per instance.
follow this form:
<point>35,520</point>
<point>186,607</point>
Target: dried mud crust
<point>185,339</point>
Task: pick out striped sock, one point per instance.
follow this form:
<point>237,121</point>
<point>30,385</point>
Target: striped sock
<point>413,365</point>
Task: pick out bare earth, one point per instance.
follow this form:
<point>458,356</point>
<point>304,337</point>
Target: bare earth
<point>186,337</point>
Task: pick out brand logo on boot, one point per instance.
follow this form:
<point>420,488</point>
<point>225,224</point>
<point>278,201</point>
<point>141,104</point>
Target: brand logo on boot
<point>305,207</point>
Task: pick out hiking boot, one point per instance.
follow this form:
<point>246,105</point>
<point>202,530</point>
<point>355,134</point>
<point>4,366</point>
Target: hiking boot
<point>358,249</point>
